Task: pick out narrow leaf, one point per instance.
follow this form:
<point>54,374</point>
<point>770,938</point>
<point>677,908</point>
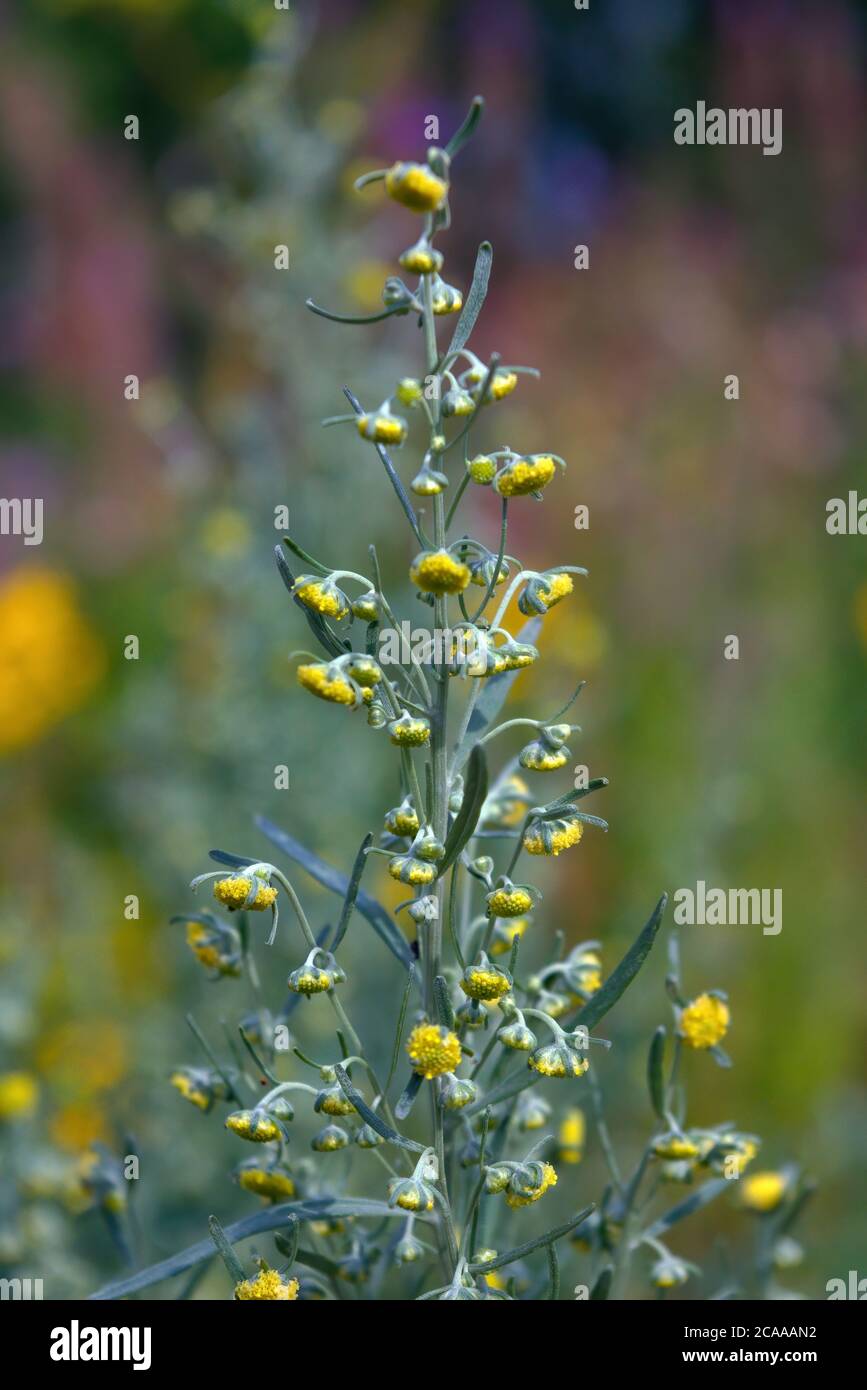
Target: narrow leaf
<point>312,1209</point>
<point>605,998</point>
<point>407,1096</point>
<point>602,1288</point>
<point>352,890</point>
<point>467,818</point>
<point>529,1246</point>
<point>655,1080</point>
<point>370,1116</point>
<point>466,128</point>
<point>474,300</point>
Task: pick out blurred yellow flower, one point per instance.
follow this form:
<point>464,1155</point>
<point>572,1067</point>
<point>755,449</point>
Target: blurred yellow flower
<point>225,532</point>
<point>19,1095</point>
<point>82,1058</point>
<point>77,1126</point>
<point>52,659</point>
<point>364,284</point>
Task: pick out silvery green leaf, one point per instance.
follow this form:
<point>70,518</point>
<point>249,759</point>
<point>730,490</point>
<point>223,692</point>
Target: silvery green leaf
<point>474,300</point>
<point>313,1209</point>
<point>374,912</point>
<point>519,1251</point>
<point>702,1198</point>
<point>352,890</point>
<point>375,1121</point>
<point>605,998</point>
<point>655,1080</point>
<point>467,818</point>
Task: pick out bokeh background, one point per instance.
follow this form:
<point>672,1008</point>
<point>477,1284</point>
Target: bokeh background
<point>155,257</point>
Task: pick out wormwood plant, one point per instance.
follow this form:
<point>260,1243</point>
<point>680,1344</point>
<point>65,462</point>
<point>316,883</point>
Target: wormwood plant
<point>452,1140</point>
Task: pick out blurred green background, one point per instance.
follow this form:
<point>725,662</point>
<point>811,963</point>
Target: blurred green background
<point>155,257</point>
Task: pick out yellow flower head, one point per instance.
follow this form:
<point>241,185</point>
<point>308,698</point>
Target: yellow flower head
<point>438,572</point>
<point>433,1050</point>
<point>509,902</point>
<point>209,952</point>
<point>185,1082</point>
<point>416,187</point>
<point>52,658</point>
<point>270,1183</point>
<point>421,259</point>
<point>481,470</point>
<point>268,1284</point>
<point>234,892</point>
<point>525,475</point>
<point>485,981</point>
<point>557,1061</point>
<point>675,1146</point>
<point>540,757</point>
<point>402,820</point>
<point>552,837</point>
<point>407,869</point>
<point>409,732</point>
<point>705,1021</point>
<point>253,1125</point>
<point>522,1192</point>
<point>556,588</point>
<point>502,384</point>
<point>505,933</point>
<point>410,1195</point>
<point>318,679</point>
<point>19,1095</point>
<point>763,1191</point>
<point>571,1136</point>
<point>382,428</point>
<point>323,597</point>
<point>409,390</point>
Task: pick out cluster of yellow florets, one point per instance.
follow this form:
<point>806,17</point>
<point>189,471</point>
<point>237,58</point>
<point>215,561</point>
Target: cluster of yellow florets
<point>266,1182</point>
<point>763,1191</point>
<point>234,892</point>
<point>438,572</point>
<point>522,476</point>
<point>316,678</point>
<point>324,598</point>
<point>483,984</point>
<point>415,186</point>
<point>704,1023</point>
<point>509,902</point>
<point>19,1095</point>
<point>562,835</point>
<point>260,1129</point>
<point>555,589</point>
<point>268,1284</point>
<point>433,1050</point>
<point>530,1193</point>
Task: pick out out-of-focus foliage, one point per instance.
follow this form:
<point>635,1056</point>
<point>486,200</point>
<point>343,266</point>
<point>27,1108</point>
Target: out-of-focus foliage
<point>156,257</point>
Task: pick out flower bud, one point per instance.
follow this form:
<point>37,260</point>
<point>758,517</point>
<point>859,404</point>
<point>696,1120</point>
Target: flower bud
<point>421,259</point>
<point>410,1194</point>
<point>457,1092</point>
<point>409,731</point>
<point>485,981</point>
<point>329,1140</point>
<point>482,470</point>
<point>254,1125</point>
<point>416,187</point>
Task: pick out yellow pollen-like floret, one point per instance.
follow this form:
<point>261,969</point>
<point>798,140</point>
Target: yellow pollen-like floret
<point>675,1146</point>
<point>523,476</point>
<point>334,688</point>
<point>545,762</point>
<point>556,588</point>
<point>572,1135</point>
<point>763,1191</point>
<point>433,1050</point>
<point>562,838</point>
<point>411,733</point>
<point>416,187</point>
<point>485,984</point>
<point>506,934</point>
<point>518,1199</point>
<point>233,894</point>
<point>323,599</point>
<point>482,469</point>
<point>268,1285</point>
<point>503,384</point>
<point>417,872</point>
<point>189,1090</point>
<point>505,903</point>
<point>382,429</point>
<point>403,823</point>
<point>705,1021</point>
<point>437,572</point>
<point>242,1124</point>
<point>266,1183</point>
<point>547,1064</point>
